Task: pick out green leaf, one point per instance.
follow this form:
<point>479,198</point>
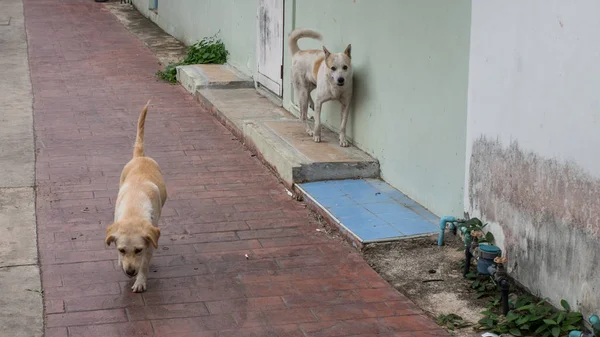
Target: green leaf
<point>480,295</point>
<point>515,332</point>
<point>561,317</point>
<point>550,322</point>
<point>525,307</point>
<point>555,331</point>
<point>511,317</point>
<point>565,305</point>
<point>541,328</point>
<point>523,320</point>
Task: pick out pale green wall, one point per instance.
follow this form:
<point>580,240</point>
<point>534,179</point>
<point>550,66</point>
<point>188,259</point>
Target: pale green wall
<point>411,67</point>
<point>411,63</point>
<point>191,20</point>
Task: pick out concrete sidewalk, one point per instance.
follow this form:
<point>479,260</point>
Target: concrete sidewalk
<point>21,296</point>
<point>90,79</point>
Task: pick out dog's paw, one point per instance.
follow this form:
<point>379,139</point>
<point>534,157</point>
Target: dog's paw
<point>317,138</point>
<point>309,131</point>
<point>139,286</point>
<point>344,142</point>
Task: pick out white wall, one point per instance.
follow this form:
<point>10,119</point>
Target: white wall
<point>191,20</point>
<point>410,60</point>
<point>533,134</point>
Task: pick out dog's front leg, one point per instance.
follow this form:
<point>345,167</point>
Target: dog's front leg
<point>142,276</point>
<point>317,128</point>
<point>345,113</point>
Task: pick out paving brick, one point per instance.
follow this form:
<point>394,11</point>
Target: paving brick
<point>167,311</point>
<point>143,328</point>
<point>56,332</point>
<point>246,304</point>
<point>86,318</point>
<point>344,328</point>
<point>223,204</point>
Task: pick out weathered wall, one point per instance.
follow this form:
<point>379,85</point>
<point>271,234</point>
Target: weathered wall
<point>192,20</point>
<point>410,62</point>
<point>532,135</point>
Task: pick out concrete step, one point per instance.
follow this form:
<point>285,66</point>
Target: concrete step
<point>198,76</point>
<point>280,141</point>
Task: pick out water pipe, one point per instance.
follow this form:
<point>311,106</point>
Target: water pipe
<point>443,221</point>
<point>594,321</point>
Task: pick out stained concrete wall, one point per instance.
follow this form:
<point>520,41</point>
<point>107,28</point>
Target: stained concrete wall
<point>191,20</point>
<point>411,62</point>
<point>532,139</point>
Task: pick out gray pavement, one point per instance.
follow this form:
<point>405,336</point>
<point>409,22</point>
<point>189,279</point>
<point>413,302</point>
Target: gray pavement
<point>21,313</point>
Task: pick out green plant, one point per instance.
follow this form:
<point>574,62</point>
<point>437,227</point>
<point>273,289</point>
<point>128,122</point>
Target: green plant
<point>208,50</point>
<point>533,317</point>
<point>475,225</point>
<point>483,285</point>
<point>452,321</point>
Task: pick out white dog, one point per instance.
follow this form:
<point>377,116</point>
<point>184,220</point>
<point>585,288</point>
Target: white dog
<point>329,73</point>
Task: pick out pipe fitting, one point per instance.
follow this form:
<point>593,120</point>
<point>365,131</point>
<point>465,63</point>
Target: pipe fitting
<point>443,222</point>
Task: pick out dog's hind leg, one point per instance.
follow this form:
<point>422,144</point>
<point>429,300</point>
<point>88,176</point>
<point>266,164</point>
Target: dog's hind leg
<point>304,100</point>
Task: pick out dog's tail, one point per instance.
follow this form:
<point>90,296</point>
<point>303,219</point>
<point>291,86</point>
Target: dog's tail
<point>297,34</point>
<point>138,148</point>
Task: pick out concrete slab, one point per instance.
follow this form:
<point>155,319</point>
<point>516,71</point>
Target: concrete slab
<point>280,140</point>
<point>21,295</point>
<point>21,302</point>
<point>215,76</point>
<point>17,225</point>
<point>166,48</point>
<point>16,116</point>
<point>234,107</point>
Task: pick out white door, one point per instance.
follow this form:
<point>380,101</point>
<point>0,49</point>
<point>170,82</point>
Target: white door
<point>270,45</point>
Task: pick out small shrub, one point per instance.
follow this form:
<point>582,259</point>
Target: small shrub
<point>208,50</point>
<point>532,318</point>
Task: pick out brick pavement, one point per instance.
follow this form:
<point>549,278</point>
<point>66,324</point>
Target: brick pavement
<point>90,78</point>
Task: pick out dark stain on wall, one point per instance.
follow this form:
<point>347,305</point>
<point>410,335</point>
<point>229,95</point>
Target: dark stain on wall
<point>549,213</point>
<point>264,20</point>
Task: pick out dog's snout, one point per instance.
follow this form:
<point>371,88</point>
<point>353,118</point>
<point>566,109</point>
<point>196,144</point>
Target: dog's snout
<point>341,80</point>
<point>130,272</point>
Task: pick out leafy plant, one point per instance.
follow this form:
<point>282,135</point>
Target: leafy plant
<point>483,285</point>
<point>532,317</point>
<point>452,321</point>
<point>208,50</point>
<point>475,225</point>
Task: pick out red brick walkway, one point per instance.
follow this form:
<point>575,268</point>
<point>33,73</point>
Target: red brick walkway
<point>91,77</point>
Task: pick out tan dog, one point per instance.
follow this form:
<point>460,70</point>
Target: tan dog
<point>329,73</point>
<point>142,194</point>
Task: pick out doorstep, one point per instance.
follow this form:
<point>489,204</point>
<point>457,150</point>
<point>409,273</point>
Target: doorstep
<point>276,136</point>
<point>338,183</point>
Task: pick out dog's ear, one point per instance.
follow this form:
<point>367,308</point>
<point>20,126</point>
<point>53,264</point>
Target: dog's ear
<point>327,53</point>
<point>348,51</point>
<point>152,235</point>
<point>110,233</point>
